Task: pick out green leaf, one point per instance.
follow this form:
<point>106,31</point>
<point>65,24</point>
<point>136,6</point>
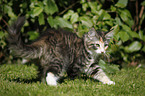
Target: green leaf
<point>40,4</point>
<point>124,35</point>
<point>114,48</point>
<point>36,11</point>
<point>127,13</point>
<point>93,6</point>
<point>126,17</point>
<point>115,30</point>
<point>86,21</point>
<point>33,35</point>
<point>74,18</point>
<point>133,47</point>
<point>131,33</point>
<point>121,3</point>
<point>130,22</point>
<point>7,9</point>
<point>143,49</point>
<point>118,21</point>
<point>141,35</point>
<point>1,34</point>
<point>124,56</point>
<point>113,8</point>
<point>106,16</point>
<point>2,44</point>
<point>134,34</point>
<point>68,14</point>
<point>41,19</point>
<point>101,14</point>
<point>24,5</point>
<point>102,64</point>
<point>84,6</point>
<point>82,1</point>
<point>144,38</point>
<point>143,3</point>
<point>110,23</point>
<point>58,22</point>
<point>52,22</point>
<point>50,7</point>
<point>63,23</point>
<point>108,68</point>
<point>82,29</point>
<point>126,28</point>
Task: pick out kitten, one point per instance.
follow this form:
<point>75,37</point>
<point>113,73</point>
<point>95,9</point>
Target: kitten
<point>60,51</point>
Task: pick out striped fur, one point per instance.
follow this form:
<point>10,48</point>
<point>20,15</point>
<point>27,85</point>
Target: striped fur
<point>60,51</point>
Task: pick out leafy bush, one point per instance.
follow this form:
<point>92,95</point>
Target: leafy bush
<point>78,16</point>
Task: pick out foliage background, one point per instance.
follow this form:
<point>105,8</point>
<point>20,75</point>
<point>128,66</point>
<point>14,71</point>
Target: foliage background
<point>124,17</point>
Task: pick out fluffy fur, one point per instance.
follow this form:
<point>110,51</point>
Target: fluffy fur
<point>61,51</point>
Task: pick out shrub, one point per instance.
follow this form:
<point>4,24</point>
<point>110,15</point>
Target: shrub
<point>79,16</point>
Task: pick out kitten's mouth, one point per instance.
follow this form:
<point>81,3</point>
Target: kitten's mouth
<point>104,57</point>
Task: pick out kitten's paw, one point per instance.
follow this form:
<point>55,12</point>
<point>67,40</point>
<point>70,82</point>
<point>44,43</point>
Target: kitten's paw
<point>51,79</point>
<point>111,83</point>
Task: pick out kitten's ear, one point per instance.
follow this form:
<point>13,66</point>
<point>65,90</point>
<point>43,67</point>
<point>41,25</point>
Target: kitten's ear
<point>92,32</point>
<point>110,34</point>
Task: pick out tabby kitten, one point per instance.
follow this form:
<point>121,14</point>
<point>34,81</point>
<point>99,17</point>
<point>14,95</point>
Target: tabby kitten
<point>60,51</point>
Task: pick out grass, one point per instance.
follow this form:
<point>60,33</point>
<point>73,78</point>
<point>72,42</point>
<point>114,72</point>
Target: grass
<point>129,82</point>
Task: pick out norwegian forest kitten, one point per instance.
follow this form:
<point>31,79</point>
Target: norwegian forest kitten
<point>60,51</point>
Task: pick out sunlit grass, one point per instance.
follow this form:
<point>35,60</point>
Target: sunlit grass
<point>129,82</point>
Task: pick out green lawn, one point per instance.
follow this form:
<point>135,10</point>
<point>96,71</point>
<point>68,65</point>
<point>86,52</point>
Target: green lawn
<point>129,82</point>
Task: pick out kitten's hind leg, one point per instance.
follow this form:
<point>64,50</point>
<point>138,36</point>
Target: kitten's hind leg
<point>51,79</point>
<point>54,71</point>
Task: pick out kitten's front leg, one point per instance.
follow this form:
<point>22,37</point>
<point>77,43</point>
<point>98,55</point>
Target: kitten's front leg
<point>98,74</point>
<point>101,76</point>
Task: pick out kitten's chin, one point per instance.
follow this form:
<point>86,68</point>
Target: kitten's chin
<point>103,56</point>
<point>96,55</point>
<point>99,52</point>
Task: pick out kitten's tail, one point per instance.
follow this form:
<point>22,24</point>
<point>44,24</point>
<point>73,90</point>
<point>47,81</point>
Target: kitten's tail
<point>16,44</point>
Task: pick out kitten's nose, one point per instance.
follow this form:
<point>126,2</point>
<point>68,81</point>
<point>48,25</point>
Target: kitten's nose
<point>102,51</point>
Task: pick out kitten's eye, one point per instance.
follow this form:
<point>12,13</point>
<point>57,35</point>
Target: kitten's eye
<point>105,45</point>
<point>92,44</point>
<point>97,45</point>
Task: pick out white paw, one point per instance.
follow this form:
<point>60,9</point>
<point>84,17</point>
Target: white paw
<point>51,79</point>
<point>110,83</point>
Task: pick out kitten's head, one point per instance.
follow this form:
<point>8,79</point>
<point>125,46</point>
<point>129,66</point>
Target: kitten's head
<point>97,42</point>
